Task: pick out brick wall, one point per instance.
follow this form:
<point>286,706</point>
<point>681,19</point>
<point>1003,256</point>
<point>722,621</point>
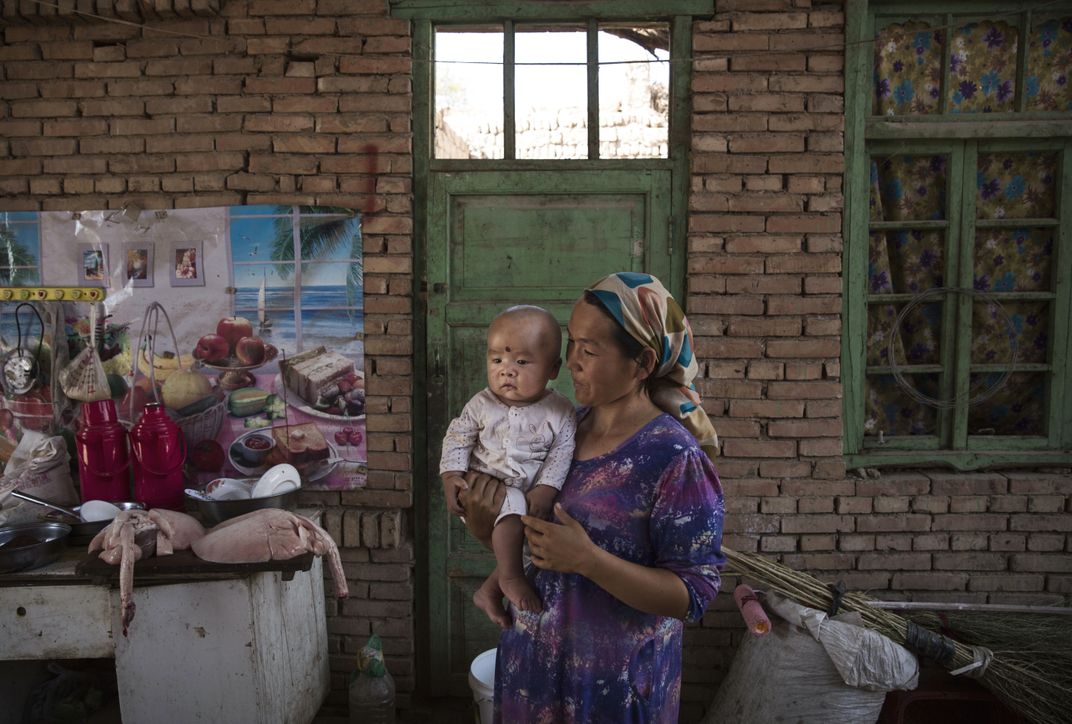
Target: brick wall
<point>270,102</point>
<point>765,302</point>
<point>308,101</point>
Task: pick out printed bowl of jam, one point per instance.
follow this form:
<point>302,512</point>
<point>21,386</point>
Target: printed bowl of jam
<point>254,448</point>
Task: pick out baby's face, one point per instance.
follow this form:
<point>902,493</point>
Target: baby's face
<point>519,361</point>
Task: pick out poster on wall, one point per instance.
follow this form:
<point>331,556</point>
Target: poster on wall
<point>265,343</point>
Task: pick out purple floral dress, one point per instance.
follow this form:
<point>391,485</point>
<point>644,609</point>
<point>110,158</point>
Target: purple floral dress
<point>588,657</point>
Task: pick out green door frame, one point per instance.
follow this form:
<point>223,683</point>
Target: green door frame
<point>679,13</point>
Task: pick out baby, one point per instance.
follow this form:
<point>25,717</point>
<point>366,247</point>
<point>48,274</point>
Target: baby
<point>518,431</point>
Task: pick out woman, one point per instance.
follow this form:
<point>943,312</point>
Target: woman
<point>636,547</point>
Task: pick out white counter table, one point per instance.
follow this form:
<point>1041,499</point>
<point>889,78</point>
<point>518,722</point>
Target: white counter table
<point>208,642</point>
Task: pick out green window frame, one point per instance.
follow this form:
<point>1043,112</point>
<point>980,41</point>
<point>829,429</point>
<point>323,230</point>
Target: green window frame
<point>961,138</point>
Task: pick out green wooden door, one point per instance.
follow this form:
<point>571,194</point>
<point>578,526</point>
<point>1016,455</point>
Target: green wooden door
<point>496,239</point>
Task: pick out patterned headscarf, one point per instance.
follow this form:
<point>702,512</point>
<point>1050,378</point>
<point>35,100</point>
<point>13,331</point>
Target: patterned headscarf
<point>651,316</point>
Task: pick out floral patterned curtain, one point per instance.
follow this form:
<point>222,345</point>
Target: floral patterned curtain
<point>911,188</point>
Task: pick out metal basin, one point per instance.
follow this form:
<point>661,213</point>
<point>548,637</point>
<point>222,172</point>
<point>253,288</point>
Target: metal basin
<point>31,545</point>
<point>217,511</point>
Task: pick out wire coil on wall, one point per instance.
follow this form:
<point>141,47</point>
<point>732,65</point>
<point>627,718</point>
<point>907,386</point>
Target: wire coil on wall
<point>976,393</point>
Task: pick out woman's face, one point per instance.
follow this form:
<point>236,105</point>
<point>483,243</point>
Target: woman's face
<point>601,371</point>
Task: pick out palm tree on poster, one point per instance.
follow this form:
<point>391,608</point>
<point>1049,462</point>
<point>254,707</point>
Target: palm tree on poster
<point>13,255</point>
<point>320,237</point>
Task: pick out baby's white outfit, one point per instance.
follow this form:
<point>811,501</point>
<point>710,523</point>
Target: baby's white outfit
<point>522,445</point>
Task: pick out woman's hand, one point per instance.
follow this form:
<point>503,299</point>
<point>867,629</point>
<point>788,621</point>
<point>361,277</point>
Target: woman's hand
<point>481,501</point>
<point>564,547</point>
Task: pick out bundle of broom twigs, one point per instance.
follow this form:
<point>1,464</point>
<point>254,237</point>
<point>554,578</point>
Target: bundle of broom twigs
<point>1031,686</point>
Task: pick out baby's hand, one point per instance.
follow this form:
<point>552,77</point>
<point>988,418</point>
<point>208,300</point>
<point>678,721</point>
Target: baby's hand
<point>540,500</point>
<point>454,483</point>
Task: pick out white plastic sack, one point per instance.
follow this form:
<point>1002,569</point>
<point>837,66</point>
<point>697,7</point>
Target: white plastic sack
<point>864,658</point>
<point>39,466</point>
<point>792,675</point>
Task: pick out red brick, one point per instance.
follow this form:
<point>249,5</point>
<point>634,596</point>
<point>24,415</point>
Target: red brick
<point>856,542</point>
<point>970,561</point>
<point>723,348</point>
<point>726,265</point>
<point>1032,482</point>
<point>767,103</point>
<point>968,483</point>
<point>768,61</point>
<point>1008,542</point>
<point>820,447</point>
<point>974,522</point>
<point>1006,582</point>
<point>766,370</point>
<point>898,522</point>
<point>822,408</point>
<point>764,327</point>
<point>725,222</point>
<point>784,468</point>
<point>703,42</point>
<point>750,487</point>
<point>800,223</point>
<point>803,370</point>
<point>1038,522</point>
<point>815,505</point>
<point>894,561</point>
<point>808,163</point>
<point>930,542</point>
<point>766,203</point>
<point>803,263</point>
<point>804,348</point>
<point>729,82</point>
<point>822,285</point>
<point>818,524</point>
<point>969,542</point>
<point>763,284</point>
<point>808,40</point>
<point>766,408</point>
<point>930,581</point>
<point>766,143</point>
<point>765,183</point>
<point>802,428</point>
<point>779,505</point>
<point>745,21</point>
<point>760,448</point>
<point>786,304</point>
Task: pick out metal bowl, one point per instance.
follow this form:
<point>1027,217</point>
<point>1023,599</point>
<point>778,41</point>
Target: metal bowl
<point>31,545</point>
<point>217,511</point>
<point>84,531</point>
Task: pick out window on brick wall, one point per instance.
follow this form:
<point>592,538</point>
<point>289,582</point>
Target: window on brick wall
<point>534,90</point>
<point>958,328</point>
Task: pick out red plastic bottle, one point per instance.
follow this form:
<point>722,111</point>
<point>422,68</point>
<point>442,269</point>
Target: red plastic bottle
<point>159,451</point>
<point>103,461</point>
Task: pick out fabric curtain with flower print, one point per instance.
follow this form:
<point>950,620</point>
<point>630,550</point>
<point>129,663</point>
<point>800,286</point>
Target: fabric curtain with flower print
<point>1005,259</point>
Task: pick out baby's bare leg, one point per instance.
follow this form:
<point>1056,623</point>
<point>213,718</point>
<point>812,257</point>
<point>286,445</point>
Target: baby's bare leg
<point>507,540</point>
<point>489,599</point>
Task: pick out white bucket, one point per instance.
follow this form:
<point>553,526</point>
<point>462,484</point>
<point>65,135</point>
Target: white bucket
<point>482,682</point>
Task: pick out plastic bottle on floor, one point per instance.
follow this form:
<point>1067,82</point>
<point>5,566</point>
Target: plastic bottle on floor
<point>372,690</point>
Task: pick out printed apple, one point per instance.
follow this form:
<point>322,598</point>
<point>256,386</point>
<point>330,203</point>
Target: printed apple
<point>250,350</point>
<point>212,348</point>
<point>233,329</point>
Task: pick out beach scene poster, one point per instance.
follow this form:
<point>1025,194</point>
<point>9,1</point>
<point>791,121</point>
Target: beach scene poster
<point>297,278</point>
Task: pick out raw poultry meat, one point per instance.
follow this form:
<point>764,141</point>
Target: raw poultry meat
<point>270,535</point>
<point>177,531</point>
<point>137,534</point>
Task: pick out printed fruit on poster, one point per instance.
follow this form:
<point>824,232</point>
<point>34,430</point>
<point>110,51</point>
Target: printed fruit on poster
<point>233,329</point>
<point>250,350</point>
<point>212,348</point>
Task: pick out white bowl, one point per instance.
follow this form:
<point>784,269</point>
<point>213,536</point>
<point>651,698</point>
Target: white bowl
<point>228,489</point>
<point>93,511</point>
<point>277,480</point>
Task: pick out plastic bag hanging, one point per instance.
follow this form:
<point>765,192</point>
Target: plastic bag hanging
<point>84,378</point>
